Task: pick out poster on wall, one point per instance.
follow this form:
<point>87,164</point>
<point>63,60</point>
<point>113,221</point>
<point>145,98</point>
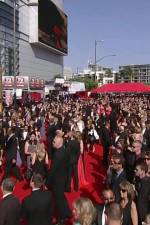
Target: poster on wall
<point>52,26</point>
<point>36,84</point>
<point>8,82</point>
<point>22,82</point>
<point>9,97</point>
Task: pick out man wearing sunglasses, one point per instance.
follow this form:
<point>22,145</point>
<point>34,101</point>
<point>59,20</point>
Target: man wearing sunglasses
<point>118,175</point>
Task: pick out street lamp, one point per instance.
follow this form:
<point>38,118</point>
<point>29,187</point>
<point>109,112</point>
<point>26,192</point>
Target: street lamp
<point>106,56</point>
<point>14,34</point>
<point>95,60</point>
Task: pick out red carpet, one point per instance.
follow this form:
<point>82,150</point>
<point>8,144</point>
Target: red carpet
<point>95,175</point>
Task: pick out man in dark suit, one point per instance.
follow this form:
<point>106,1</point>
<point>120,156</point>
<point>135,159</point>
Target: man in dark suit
<point>73,147</point>
<point>57,178</point>
<point>9,206</point>
<point>143,190</point>
<point>118,175</point>
<point>11,155</point>
<point>37,207</point>
<point>51,132</point>
<point>108,197</point>
<point>106,142</point>
<point>146,136</point>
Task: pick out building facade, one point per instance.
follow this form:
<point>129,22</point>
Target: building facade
<point>26,48</point>
<point>100,74</point>
<point>139,73</point>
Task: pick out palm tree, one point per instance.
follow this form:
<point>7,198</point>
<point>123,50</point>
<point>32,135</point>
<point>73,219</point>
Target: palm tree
<point>108,73</point>
<point>127,74</point>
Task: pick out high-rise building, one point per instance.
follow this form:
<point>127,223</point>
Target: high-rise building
<point>134,73</point>
<point>33,38</point>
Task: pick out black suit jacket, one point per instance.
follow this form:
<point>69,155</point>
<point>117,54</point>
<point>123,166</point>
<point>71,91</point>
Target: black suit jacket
<point>73,148</point>
<point>37,208</point>
<point>115,182</point>
<point>100,209</point>
<point>106,137</point>
<point>143,200</point>
<point>51,131</point>
<point>146,138</point>
<point>10,211</point>
<point>59,169</point>
<point>11,148</point>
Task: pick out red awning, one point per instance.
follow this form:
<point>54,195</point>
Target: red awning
<point>123,87</point>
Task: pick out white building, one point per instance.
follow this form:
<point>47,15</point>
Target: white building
<point>100,74</point>
<point>40,38</point>
<point>67,73</point>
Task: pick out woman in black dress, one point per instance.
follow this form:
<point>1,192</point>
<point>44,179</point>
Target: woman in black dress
<point>40,161</point>
<point>130,216</point>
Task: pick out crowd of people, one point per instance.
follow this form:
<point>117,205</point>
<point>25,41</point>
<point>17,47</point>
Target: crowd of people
<point>45,144</point>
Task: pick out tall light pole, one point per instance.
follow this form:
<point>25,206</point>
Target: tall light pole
<point>95,58</point>
<point>16,7</point>
<point>105,56</point>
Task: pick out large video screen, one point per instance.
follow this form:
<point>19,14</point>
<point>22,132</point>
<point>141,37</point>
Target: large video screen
<point>52,26</point>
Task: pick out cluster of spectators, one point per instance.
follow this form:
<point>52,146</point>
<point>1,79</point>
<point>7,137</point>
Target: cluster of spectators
<point>45,144</point>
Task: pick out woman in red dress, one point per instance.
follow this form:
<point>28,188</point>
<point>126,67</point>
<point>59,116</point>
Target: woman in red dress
<point>81,163</point>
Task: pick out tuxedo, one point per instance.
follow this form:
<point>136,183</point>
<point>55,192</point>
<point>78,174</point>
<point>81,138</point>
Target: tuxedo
<point>57,181</point>
<point>11,154</point>
<point>100,214</point>
<point>37,208</point>
<point>73,148</point>
<point>10,210</point>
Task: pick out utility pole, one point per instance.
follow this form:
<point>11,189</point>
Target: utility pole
<point>95,66</point>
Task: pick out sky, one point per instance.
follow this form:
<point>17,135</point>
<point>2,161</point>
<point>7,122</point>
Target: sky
<point>123,25</point>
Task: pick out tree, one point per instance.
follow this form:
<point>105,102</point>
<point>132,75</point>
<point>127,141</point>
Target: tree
<point>108,73</point>
<point>89,83</point>
<point>127,73</point>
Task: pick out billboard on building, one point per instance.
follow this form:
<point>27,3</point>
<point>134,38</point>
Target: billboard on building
<point>22,82</point>
<point>36,84</point>
<point>8,82</point>
<point>52,26</point>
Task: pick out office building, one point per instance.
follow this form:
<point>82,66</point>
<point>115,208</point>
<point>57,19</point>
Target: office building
<point>138,73</point>
<point>33,38</point>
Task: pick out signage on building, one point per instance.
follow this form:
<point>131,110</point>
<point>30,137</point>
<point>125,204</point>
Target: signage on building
<point>8,82</point>
<point>36,84</point>
<point>22,82</point>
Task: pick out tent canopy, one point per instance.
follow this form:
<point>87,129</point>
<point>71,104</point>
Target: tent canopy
<point>122,87</point>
